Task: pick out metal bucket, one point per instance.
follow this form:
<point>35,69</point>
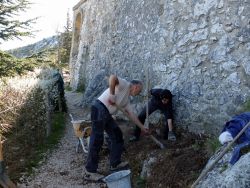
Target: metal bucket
<point>119,179</point>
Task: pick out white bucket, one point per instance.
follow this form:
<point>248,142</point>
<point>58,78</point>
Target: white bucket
<point>119,179</point>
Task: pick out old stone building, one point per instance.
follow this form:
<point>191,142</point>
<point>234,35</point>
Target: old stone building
<point>199,49</point>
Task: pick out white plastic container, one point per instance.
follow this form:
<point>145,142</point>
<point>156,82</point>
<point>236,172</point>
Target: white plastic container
<point>119,179</point>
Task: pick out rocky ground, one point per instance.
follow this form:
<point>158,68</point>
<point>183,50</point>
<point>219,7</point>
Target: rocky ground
<point>176,166</point>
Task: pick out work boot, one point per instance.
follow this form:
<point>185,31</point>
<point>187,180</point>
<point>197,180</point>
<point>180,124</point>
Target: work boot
<point>171,136</point>
<point>93,176</point>
<point>120,166</point>
<point>133,139</point>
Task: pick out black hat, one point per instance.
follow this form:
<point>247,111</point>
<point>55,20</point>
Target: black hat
<point>166,94</point>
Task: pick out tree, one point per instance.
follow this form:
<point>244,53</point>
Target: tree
<point>64,42</point>
<point>11,27</point>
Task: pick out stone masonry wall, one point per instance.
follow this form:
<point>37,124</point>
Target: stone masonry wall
<point>198,49</point>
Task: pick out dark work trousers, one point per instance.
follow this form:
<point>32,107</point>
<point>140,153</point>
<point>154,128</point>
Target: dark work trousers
<point>154,105</point>
<point>102,120</point>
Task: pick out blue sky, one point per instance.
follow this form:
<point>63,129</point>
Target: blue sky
<point>52,13</point>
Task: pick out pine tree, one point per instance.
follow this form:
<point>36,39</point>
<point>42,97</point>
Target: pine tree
<point>65,41</point>
<point>12,27</point>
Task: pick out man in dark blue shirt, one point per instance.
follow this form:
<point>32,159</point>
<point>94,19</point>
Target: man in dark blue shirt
<point>231,129</point>
<point>234,126</point>
<point>161,100</point>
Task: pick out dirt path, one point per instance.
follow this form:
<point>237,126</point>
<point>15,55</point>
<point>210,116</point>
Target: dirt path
<point>64,167</point>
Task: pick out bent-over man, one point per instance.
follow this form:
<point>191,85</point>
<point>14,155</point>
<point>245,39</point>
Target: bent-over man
<point>115,98</point>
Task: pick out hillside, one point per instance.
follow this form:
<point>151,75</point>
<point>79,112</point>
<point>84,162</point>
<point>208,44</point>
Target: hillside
<point>26,51</point>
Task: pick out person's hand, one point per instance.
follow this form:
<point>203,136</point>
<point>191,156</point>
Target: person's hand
<point>112,99</point>
<point>145,131</point>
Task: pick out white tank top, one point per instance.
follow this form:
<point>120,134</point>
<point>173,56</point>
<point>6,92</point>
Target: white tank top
<point>122,96</point>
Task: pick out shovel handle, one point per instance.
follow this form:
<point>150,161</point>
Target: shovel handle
<point>157,142</point>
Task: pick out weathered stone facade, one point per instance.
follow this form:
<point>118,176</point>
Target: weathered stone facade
<point>199,49</point>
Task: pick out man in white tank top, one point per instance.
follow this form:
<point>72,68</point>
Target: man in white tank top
<point>115,98</point>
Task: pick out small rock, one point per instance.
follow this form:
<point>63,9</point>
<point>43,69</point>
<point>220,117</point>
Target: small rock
<point>63,173</point>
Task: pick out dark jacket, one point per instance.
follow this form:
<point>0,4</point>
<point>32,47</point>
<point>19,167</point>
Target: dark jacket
<point>161,93</point>
<point>237,123</point>
<point>158,95</point>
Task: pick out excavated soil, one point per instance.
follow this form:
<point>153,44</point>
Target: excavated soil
<point>176,166</point>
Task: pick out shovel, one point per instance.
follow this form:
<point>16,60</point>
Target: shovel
<point>151,136</point>
<point>147,113</point>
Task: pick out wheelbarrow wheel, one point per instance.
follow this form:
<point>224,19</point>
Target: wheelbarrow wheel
<point>78,146</point>
<point>84,142</point>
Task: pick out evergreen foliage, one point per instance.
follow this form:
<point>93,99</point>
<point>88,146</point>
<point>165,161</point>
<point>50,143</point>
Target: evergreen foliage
<point>64,42</point>
<point>11,66</point>
<point>11,27</point>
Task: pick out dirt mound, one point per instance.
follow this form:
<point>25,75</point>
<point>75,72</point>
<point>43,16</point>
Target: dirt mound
<point>176,166</point>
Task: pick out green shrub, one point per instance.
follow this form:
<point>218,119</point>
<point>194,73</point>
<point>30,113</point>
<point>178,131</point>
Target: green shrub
<point>246,106</point>
<point>223,168</point>
<point>25,116</point>
<point>27,130</point>
<point>68,88</point>
<point>140,183</point>
<point>81,88</point>
<point>11,66</point>
<point>212,144</point>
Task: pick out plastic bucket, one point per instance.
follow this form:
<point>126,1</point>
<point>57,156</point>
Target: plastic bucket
<point>119,179</point>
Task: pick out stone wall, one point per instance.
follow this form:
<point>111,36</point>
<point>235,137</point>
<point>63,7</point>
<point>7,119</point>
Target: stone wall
<point>199,49</point>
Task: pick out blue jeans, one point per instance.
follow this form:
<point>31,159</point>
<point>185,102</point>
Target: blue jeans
<point>102,120</point>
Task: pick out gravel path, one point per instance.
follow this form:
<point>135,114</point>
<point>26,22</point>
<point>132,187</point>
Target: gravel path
<point>64,167</point>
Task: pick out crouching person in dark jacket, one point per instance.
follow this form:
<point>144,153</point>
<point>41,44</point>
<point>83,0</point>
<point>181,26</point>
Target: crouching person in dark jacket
<point>161,100</point>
